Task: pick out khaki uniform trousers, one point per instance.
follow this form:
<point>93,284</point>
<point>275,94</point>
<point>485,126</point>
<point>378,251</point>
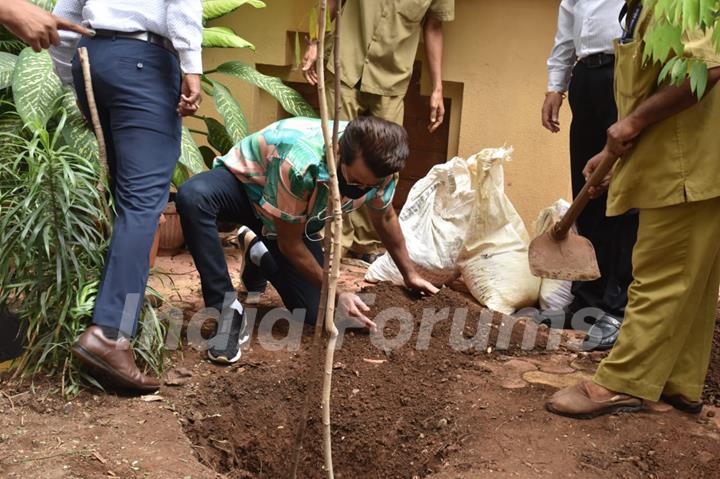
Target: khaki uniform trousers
<point>665,342</point>
<point>359,235</point>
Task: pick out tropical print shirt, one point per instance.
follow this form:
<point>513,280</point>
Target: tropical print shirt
<point>283,170</point>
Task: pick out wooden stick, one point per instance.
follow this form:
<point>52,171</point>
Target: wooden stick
<point>332,246</point>
<point>332,269</point>
<point>95,118</point>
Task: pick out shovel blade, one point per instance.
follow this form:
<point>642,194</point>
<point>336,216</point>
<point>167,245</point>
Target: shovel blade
<point>572,258</point>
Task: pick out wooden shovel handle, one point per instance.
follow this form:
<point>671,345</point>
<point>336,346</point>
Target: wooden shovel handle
<point>562,227</point>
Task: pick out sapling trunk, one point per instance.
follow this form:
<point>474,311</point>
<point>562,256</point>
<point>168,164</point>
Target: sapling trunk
<point>332,268</point>
<point>332,246</point>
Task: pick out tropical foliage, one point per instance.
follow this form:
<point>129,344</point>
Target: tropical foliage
<point>664,41</point>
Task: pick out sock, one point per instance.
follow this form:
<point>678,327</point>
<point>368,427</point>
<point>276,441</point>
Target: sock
<point>256,252</point>
<point>110,332</point>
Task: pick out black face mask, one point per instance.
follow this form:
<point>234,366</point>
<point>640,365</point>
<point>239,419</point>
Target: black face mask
<point>349,191</point>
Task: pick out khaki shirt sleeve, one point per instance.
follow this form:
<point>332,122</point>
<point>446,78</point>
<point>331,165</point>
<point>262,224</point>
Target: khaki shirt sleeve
<point>700,45</point>
<point>443,10</point>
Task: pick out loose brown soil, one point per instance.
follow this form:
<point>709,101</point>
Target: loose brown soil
<point>393,417</point>
<point>435,412</point>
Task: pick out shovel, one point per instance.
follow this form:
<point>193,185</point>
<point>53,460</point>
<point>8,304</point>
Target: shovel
<point>561,253</point>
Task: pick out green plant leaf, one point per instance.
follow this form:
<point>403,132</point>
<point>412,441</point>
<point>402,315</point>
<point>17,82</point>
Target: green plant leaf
<point>35,86</point>
<point>45,4</point>
<point>217,8</point>
<point>77,133</point>
<point>229,108</point>
<point>223,37</point>
<point>190,156</point>
<point>9,43</point>
<point>180,175</point>
<point>209,155</point>
<point>661,39</point>
<point>7,67</point>
<point>698,78</point>
<point>218,136</point>
<point>290,100</point>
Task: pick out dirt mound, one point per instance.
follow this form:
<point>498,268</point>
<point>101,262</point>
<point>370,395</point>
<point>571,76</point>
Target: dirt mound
<point>417,424</point>
<point>712,384</point>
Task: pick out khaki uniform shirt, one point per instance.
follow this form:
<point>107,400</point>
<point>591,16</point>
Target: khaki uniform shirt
<point>678,159</point>
<point>380,40</point>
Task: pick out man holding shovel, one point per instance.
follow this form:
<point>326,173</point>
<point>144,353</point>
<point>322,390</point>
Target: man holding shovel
<point>669,170</point>
<point>146,64</point>
<point>582,64</point>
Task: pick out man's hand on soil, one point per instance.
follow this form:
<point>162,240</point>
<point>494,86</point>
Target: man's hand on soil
<point>417,283</point>
<point>351,306</point>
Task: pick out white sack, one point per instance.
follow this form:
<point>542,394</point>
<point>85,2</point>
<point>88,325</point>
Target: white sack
<point>555,294</point>
<point>434,222</point>
<point>494,258</point>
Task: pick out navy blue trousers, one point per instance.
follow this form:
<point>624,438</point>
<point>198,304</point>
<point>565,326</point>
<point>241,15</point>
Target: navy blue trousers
<point>137,89</point>
<point>216,195</point>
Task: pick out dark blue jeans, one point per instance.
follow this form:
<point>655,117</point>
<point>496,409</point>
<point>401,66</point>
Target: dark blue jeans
<point>216,195</point>
<point>137,89</point>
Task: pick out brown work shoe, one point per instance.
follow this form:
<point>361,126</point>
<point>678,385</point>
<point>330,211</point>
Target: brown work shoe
<point>576,402</point>
<point>114,359</point>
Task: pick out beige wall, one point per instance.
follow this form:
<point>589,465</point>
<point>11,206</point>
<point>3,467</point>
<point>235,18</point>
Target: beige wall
<point>495,56</point>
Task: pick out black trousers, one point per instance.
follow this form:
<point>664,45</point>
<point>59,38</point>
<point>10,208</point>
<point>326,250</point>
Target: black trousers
<point>593,107</point>
<point>217,195</point>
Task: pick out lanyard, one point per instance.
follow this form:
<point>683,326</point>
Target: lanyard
<point>630,23</point>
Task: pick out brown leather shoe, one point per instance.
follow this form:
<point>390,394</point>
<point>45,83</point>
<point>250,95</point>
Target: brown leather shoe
<point>575,402</point>
<point>113,359</point>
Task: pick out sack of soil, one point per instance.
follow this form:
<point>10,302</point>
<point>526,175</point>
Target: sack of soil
<point>434,222</point>
<point>494,257</point>
<point>555,294</point>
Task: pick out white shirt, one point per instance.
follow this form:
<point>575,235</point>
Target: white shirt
<point>585,27</point>
<point>178,20</point>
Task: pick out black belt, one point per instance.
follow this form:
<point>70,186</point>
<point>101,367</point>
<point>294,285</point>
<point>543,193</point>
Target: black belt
<point>149,37</point>
<point>598,60</point>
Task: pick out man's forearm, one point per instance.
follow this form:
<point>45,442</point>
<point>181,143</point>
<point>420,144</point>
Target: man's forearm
<point>668,101</point>
<point>387,226</point>
<point>433,34</point>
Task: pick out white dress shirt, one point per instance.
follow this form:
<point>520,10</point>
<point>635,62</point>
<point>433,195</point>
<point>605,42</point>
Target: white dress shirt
<point>585,27</point>
<point>178,20</point>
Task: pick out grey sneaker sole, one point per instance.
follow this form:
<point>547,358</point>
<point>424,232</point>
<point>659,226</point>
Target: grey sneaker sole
<point>222,359</point>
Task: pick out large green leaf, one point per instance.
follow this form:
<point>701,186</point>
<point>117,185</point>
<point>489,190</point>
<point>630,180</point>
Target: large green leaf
<point>77,133</point>
<point>46,4</point>
<point>209,155</point>
<point>217,8</point>
<point>9,43</point>
<point>229,108</point>
<point>190,155</point>
<point>290,100</point>
<point>7,67</point>
<point>223,37</point>
<point>218,136</point>
<point>35,86</point>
